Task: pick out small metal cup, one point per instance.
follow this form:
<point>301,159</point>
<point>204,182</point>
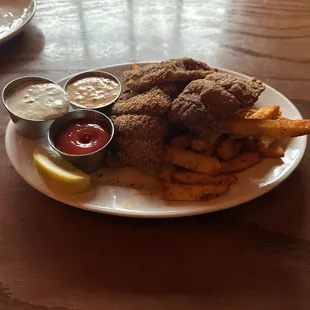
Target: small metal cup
<point>105,108</point>
<point>86,162</point>
<point>32,129</point>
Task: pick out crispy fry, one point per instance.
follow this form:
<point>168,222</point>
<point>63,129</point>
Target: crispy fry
<point>182,192</point>
<point>283,141</point>
<point>166,173</point>
<point>188,177</point>
<point>191,160</point>
<point>135,67</point>
<point>229,148</point>
<point>198,145</point>
<point>211,150</point>
<point>269,112</point>
<point>202,144</point>
<point>273,150</point>
<point>241,162</point>
<point>182,141</point>
<point>263,142</point>
<point>246,113</point>
<point>271,128</point>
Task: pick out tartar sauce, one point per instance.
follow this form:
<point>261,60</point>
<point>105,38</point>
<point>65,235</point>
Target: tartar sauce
<point>93,91</point>
<point>38,101</point>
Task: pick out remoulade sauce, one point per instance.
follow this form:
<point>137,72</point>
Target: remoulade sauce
<point>82,137</point>
<point>92,92</point>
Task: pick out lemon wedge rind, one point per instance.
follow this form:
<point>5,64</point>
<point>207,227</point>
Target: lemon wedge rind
<point>59,174</point>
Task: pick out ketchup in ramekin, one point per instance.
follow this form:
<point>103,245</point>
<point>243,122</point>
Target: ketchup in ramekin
<point>82,136</point>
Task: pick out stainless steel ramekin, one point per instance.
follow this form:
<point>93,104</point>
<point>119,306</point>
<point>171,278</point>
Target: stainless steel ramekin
<point>104,107</point>
<point>32,129</point>
<point>86,162</point>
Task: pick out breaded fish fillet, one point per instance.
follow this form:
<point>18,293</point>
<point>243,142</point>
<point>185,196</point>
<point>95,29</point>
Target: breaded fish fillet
<point>154,102</point>
<point>173,70</point>
<point>171,89</point>
<point>246,91</point>
<point>140,127</point>
<point>140,153</point>
<point>206,105</point>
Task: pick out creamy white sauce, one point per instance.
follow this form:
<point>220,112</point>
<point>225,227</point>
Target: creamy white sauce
<point>93,91</point>
<point>38,101</point>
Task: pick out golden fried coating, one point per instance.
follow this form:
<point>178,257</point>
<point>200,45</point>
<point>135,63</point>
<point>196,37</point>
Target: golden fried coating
<point>246,91</point>
<point>154,102</point>
<point>173,70</point>
<point>140,153</point>
<point>206,105</point>
<point>140,127</point>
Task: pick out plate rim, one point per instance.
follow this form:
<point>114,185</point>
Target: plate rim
<point>175,213</point>
<point>18,30</point>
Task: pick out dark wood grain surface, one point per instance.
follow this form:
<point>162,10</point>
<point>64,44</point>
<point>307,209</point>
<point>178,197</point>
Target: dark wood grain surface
<point>255,256</point>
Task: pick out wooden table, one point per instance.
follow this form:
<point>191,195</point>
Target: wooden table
<point>255,256</point>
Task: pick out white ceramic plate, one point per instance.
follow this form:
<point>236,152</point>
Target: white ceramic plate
<point>14,16</point>
<point>114,193</point>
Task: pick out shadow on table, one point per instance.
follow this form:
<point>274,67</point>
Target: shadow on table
<point>206,255</point>
<point>21,49</point>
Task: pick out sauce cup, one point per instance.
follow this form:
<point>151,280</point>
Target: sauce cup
<point>30,128</point>
<point>105,107</point>
<point>90,162</point>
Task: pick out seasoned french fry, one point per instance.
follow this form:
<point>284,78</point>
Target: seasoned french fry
<point>135,67</point>
<point>271,128</point>
<point>183,141</point>
<point>273,150</point>
<point>191,160</point>
<point>246,113</point>
<point>183,192</point>
<point>269,112</point>
<point>212,148</point>
<point>241,162</point>
<point>263,142</point>
<point>198,145</point>
<point>283,142</point>
<point>202,144</point>
<point>229,148</point>
<point>188,177</point>
<point>166,173</point>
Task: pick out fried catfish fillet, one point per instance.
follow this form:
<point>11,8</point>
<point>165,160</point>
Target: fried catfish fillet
<point>207,105</point>
<point>140,127</point>
<point>154,102</point>
<point>173,70</point>
<point>140,153</point>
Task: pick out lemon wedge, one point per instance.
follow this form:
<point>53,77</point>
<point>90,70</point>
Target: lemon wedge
<point>59,174</point>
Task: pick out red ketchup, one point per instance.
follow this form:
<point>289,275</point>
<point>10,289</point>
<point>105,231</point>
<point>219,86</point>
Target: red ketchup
<point>82,137</point>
